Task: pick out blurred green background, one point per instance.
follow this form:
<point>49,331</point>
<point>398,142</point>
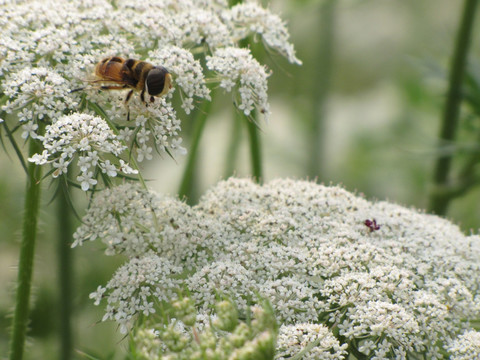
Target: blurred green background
<point>363,111</point>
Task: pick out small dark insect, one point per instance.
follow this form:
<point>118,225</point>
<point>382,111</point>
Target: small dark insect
<point>372,225</point>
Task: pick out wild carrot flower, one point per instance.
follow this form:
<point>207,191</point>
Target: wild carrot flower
<point>88,140</point>
<point>237,69</point>
<point>409,287</point>
<point>466,346</point>
<point>48,51</point>
<point>292,339</point>
<point>250,18</point>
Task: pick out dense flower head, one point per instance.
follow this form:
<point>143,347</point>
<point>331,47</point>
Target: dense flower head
<point>86,139</point>
<point>236,68</point>
<point>249,17</point>
<point>35,93</point>
<point>47,51</point>
<point>466,346</point>
<point>296,337</point>
<point>136,287</point>
<point>409,287</point>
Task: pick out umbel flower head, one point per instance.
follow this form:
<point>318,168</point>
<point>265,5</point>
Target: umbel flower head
<point>84,138</point>
<point>466,346</point>
<point>48,51</point>
<point>236,68</point>
<point>402,285</point>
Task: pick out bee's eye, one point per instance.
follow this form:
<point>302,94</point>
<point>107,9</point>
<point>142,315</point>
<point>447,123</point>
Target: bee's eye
<point>156,80</point>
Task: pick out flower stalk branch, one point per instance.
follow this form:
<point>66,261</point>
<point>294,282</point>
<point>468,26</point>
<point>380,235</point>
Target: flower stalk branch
<point>15,146</point>
<point>186,185</point>
<point>438,202</point>
<point>233,145</point>
<point>255,150</point>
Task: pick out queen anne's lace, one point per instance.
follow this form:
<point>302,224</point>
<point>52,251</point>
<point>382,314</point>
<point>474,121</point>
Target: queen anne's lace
<point>47,51</point>
<point>466,346</point>
<point>249,17</point>
<point>86,138</point>
<point>237,69</point>
<point>407,287</point>
<point>294,338</point>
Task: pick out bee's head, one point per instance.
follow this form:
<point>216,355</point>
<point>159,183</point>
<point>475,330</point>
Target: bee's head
<point>158,81</point>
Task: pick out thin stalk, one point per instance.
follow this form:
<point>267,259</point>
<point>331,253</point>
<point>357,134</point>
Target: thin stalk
<point>186,186</point>
<point>15,146</point>
<point>65,231</point>
<point>255,150</point>
<point>233,144</point>
<point>438,203</point>
<point>27,251</point>
<point>321,87</point>
<point>253,137</point>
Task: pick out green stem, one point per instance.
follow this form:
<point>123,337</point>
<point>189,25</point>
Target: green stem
<point>321,87</point>
<point>254,139</point>
<point>27,251</point>
<point>439,203</point>
<point>233,144</point>
<point>65,231</point>
<point>255,150</point>
<point>186,187</point>
<point>466,179</point>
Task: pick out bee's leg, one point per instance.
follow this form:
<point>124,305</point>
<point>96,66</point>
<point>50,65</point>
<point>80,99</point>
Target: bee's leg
<point>129,96</point>
<point>111,87</point>
<point>79,89</point>
<point>105,87</point>
<point>142,96</point>
<point>85,87</point>
<point>127,99</point>
<point>152,99</point>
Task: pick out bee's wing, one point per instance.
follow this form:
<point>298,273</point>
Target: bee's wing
<point>111,71</point>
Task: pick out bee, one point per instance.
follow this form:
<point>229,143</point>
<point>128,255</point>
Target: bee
<point>132,74</point>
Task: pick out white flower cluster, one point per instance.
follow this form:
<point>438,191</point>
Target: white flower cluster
<point>408,285</point>
<point>122,209</point>
<point>36,93</point>
<point>198,25</point>
<point>136,287</point>
<point>466,346</point>
<point>87,139</point>
<point>188,70</point>
<point>46,51</point>
<point>236,68</point>
<point>249,18</point>
<point>292,339</point>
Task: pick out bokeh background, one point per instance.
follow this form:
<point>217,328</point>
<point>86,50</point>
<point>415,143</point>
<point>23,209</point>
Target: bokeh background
<point>362,111</point>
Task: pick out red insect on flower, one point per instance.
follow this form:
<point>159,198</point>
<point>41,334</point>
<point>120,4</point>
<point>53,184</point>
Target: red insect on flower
<point>372,225</point>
